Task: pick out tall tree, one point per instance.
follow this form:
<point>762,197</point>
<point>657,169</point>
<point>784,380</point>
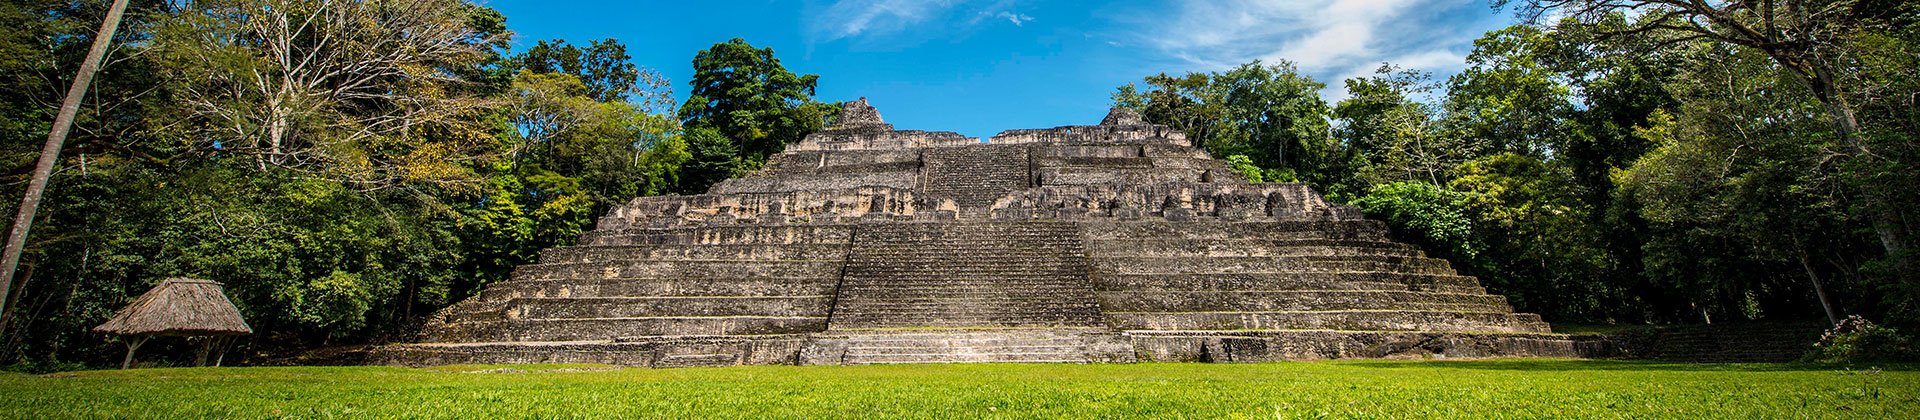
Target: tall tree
<point>339,89</point>
<point>604,69</point>
<point>1392,136</point>
<point>1809,39</point>
<point>1271,114</point>
<point>743,94</point>
<point>1510,98</point>
<point>50,154</point>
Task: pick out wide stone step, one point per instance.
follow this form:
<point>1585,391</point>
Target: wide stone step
<point>960,250</point>
<point>967,298</point>
<point>1092,175</point>
<point>878,240</point>
<point>684,268</point>
<point>967,340</point>
<point>961,320</point>
<point>919,315</point>
<point>1050,345</point>
<point>1385,320</point>
<point>958,263</point>
<point>937,358</point>
<point>661,287</point>
<point>965,320</point>
<point>911,314</point>
<point>1248,281</point>
<point>579,254</point>
<point>963,286</point>
<point>880,276</point>
<point>672,351</point>
<point>722,235</point>
<point>1319,229</point>
<point>1069,348</point>
<point>628,307</point>
<point>1247,248</point>
<point>1077,162</point>
<point>1271,346</point>
<point>1299,300</point>
<point>1225,265</point>
<point>609,328</point>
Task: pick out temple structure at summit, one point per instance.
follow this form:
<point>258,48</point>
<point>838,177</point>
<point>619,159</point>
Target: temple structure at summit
<point>863,244</point>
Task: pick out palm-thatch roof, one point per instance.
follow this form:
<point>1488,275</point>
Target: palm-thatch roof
<point>179,306</point>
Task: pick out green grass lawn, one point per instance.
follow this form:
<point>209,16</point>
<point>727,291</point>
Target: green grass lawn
<point>1399,389</point>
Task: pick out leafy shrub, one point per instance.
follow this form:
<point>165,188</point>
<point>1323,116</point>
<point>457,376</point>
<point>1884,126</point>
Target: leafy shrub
<point>1433,216</point>
<point>1245,167</point>
<point>1857,340</point>
<point>37,367</point>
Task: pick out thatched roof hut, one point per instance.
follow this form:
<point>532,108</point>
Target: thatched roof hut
<point>177,307</point>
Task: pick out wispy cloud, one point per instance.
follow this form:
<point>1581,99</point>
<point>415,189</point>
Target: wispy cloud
<point>1017,18</point>
<point>858,18</point>
<point>1330,39</point>
<point>847,18</point>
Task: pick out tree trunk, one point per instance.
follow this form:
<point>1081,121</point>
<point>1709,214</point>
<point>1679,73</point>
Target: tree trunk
<point>1818,291</point>
<point>276,133</point>
<point>220,353</point>
<point>1888,226</point>
<point>133,343</point>
<point>206,347</point>
<point>50,153</point>
<point>6,317</point>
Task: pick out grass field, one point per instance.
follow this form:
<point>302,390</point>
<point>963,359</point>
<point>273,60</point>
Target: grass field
<point>1397,389</point>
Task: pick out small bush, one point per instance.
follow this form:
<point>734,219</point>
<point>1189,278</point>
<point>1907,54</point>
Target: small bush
<point>43,366</point>
<point>1857,340</point>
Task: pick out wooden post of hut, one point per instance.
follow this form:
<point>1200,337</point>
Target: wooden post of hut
<point>180,307</point>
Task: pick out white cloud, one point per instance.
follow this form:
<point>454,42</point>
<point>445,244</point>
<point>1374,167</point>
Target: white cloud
<point>1329,39</point>
<point>848,18</point>
<point>856,18</point>
<point>1017,18</point>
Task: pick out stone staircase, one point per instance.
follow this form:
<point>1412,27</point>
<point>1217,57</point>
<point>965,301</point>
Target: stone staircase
<point>1268,281</point>
<point>976,176</point>
<point>966,274</point>
<point>1012,345</point>
<point>668,297</point>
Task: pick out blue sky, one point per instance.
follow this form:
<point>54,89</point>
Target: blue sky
<point>982,66</point>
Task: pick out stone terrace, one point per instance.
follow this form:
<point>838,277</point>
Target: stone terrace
<point>863,244</point>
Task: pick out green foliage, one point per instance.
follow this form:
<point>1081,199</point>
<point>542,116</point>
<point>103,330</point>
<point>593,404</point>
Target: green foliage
<point>713,158</point>
<point>1596,173</point>
<point>1367,389</point>
<point>743,95</point>
<point>1548,256</point>
<point>1510,98</point>
<point>356,227</point>
<point>1271,114</point>
<point>1857,340</point>
<point>1728,201</point>
<point>1244,166</point>
<point>603,67</point>
<point>354,93</point>
<point>1434,217</point>
<point>1390,136</point>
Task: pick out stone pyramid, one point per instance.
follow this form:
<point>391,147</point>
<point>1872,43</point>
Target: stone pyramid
<point>863,244</point>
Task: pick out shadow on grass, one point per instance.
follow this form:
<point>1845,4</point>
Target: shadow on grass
<point>1624,365</point>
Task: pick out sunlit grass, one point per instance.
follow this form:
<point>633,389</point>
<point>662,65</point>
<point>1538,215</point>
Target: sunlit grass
<point>1497,388</point>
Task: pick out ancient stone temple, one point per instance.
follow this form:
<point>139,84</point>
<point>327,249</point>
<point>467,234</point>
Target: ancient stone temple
<point>863,244</point>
